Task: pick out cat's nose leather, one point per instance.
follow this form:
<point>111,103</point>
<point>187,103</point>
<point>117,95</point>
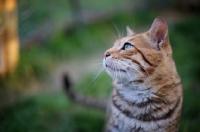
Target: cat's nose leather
<point>106,54</point>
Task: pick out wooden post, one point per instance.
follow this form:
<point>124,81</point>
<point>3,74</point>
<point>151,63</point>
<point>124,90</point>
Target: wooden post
<point>76,12</point>
<point>9,43</point>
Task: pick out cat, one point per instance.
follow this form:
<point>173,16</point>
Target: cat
<point>147,94</point>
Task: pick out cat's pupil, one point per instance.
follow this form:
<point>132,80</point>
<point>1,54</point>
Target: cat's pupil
<point>127,46</point>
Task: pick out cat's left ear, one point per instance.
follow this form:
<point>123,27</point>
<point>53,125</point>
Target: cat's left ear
<point>158,32</point>
<point>129,31</point>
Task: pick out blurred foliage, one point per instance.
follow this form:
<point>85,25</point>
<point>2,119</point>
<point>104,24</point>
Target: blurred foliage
<point>54,112</point>
<point>33,14</point>
<point>50,113</point>
<point>184,39</point>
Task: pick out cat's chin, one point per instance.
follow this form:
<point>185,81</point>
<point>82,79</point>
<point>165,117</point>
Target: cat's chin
<point>119,76</point>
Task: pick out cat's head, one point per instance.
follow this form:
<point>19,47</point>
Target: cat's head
<point>137,57</point>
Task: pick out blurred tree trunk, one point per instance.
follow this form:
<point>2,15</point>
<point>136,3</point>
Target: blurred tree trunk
<point>76,12</point>
<point>189,5</point>
<point>9,43</point>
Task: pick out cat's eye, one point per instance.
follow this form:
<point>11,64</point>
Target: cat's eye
<point>127,46</point>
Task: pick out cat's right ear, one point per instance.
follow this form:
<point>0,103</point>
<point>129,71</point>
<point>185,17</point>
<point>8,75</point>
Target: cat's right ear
<point>129,31</point>
<point>158,32</point>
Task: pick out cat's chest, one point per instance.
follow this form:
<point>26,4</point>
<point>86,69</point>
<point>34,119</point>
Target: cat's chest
<point>122,123</point>
<point>131,113</point>
<point>132,104</point>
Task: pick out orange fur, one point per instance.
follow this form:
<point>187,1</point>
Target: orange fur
<point>154,72</point>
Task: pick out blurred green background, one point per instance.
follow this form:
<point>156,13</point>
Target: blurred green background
<point>70,36</point>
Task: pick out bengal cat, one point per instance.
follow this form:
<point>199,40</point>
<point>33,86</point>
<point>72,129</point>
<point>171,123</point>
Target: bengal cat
<point>147,94</point>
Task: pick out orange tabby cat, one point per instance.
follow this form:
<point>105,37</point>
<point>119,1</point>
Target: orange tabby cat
<point>147,92</point>
<point>147,95</point>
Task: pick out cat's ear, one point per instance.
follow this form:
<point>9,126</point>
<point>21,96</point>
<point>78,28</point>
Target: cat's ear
<point>129,31</point>
<point>158,31</point>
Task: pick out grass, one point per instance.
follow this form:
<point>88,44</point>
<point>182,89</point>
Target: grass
<point>54,112</point>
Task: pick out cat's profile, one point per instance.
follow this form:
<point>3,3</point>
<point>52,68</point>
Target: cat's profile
<point>147,94</point>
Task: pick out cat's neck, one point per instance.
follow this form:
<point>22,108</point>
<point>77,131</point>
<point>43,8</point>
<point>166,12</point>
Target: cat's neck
<point>134,91</point>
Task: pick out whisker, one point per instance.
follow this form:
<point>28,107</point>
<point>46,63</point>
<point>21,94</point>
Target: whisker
<point>112,76</point>
<point>132,23</point>
<point>132,68</point>
<point>120,73</point>
<point>97,60</point>
<point>98,73</point>
<point>97,67</point>
<point>121,78</point>
<point>115,70</point>
<point>138,71</point>
<point>98,63</point>
<point>95,76</point>
<point>122,29</point>
<point>117,31</point>
<point>126,71</point>
<point>129,76</point>
<point>114,35</point>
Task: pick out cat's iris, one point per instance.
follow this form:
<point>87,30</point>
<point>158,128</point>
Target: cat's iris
<point>127,46</point>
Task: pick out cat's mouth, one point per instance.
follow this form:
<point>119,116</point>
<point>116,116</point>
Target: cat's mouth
<point>115,69</point>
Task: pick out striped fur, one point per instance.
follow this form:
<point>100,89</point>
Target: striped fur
<point>147,93</point>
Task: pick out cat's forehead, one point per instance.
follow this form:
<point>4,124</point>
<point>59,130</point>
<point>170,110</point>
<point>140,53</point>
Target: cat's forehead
<point>120,41</point>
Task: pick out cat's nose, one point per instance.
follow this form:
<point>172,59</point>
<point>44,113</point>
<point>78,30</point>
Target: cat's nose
<point>106,54</point>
